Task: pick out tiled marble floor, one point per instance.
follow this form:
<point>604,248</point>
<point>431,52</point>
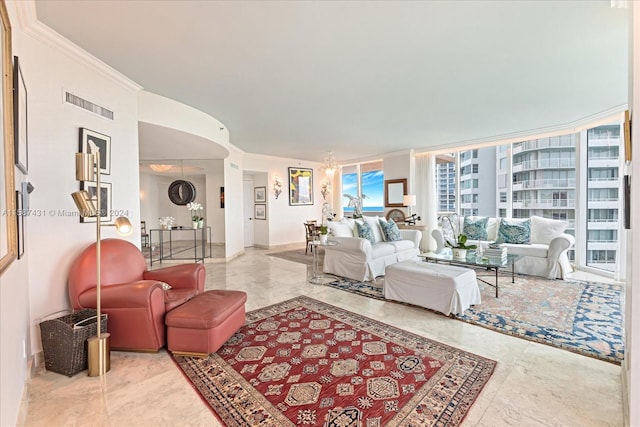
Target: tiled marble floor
<point>533,385</point>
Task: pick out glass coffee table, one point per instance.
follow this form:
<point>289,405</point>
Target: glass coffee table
<point>317,276</point>
<point>475,262</point>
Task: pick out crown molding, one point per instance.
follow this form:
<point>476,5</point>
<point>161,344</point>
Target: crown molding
<point>29,24</point>
<point>607,116</point>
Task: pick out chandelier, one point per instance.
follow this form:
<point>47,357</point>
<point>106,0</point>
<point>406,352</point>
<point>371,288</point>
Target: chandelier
<point>330,165</point>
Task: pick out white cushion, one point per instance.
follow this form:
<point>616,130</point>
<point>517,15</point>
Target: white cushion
<point>544,230</point>
<point>537,250</point>
<point>340,229</point>
<point>375,228</point>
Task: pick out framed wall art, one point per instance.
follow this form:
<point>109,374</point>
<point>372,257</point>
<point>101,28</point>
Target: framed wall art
<point>20,128</point>
<point>260,211</point>
<point>8,233</point>
<point>260,194</point>
<point>105,201</point>
<point>300,186</point>
<point>394,191</point>
<point>104,144</point>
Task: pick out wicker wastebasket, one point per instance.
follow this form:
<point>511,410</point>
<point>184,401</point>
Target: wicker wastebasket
<point>64,340</point>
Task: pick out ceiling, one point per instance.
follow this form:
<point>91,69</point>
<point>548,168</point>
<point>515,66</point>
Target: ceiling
<point>301,78</point>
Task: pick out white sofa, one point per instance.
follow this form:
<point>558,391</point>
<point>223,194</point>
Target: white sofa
<point>357,258</point>
<point>545,255</point>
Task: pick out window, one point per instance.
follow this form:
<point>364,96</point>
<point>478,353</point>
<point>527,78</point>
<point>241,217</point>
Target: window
<point>544,182</point>
<point>364,180</point>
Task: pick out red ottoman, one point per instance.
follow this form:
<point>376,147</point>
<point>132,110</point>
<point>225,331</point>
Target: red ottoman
<point>201,325</point>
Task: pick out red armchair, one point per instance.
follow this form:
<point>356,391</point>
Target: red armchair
<point>132,296</point>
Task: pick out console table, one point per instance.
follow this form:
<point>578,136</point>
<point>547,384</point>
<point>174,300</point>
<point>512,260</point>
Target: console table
<point>198,247</point>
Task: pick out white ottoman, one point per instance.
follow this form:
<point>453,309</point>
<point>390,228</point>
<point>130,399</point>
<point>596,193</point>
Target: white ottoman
<point>444,288</point>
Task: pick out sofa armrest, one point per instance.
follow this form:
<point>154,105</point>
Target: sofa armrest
<point>350,245</point>
<point>125,295</point>
<point>183,276</point>
<point>437,235</point>
<point>414,235</point>
<point>560,244</point>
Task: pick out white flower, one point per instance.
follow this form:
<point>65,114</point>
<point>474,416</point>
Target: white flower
<point>166,221</point>
<point>194,208</point>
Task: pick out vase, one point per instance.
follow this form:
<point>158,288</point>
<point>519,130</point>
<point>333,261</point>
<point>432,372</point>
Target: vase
<point>201,223</point>
<point>194,224</point>
<point>459,253</point>
<point>323,238</point>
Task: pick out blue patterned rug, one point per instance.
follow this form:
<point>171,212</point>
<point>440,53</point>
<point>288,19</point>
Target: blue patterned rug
<point>582,317</point>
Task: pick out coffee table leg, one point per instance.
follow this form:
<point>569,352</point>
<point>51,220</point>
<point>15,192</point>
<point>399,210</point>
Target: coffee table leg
<point>513,273</point>
<point>496,282</point>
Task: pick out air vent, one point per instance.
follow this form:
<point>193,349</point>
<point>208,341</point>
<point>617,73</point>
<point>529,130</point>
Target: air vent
<point>87,105</point>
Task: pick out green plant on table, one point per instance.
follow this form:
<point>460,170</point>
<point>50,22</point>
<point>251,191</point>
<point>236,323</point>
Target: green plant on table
<point>323,229</point>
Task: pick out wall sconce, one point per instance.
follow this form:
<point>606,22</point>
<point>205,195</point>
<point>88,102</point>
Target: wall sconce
<point>325,189</point>
<point>277,186</point>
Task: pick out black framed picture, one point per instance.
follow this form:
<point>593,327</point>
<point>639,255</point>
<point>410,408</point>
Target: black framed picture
<point>260,194</point>
<point>20,128</point>
<point>260,212</point>
<point>105,201</point>
<point>20,214</point>
<point>103,142</point>
<point>300,186</point>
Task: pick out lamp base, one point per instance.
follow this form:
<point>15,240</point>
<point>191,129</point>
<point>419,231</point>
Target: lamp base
<point>99,355</point>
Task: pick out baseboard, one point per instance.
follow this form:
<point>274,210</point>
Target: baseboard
<point>33,363</point>
<point>624,374</point>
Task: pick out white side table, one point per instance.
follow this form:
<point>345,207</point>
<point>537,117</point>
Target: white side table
<point>317,276</point>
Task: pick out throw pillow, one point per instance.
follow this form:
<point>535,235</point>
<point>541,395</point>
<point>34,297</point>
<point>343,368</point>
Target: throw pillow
<point>475,228</point>
<point>518,232</point>
<point>364,231</point>
<point>544,230</point>
<point>338,229</point>
<point>375,228</point>
<point>390,230</point>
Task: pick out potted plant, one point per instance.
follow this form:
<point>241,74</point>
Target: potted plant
<point>196,219</point>
<point>324,230</point>
<point>457,242</point>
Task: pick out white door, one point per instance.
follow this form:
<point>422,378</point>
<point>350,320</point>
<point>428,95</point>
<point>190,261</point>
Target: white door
<point>248,212</point>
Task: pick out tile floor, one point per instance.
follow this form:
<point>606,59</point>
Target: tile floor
<point>533,385</point>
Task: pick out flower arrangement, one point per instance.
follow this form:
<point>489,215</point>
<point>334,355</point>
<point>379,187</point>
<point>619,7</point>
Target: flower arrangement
<point>166,221</point>
<point>194,208</point>
<point>453,236</point>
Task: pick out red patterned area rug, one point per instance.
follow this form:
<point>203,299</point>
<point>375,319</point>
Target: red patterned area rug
<point>304,362</point>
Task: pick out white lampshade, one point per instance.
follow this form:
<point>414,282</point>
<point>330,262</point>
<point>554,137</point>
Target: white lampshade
<point>409,200</point>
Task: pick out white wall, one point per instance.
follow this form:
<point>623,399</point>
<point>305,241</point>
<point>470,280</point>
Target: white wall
<point>233,195</point>
<point>398,167</point>
<point>36,285</point>
<point>214,214</point>
<point>261,227</point>
<point>285,221</point>
<point>631,365</point>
